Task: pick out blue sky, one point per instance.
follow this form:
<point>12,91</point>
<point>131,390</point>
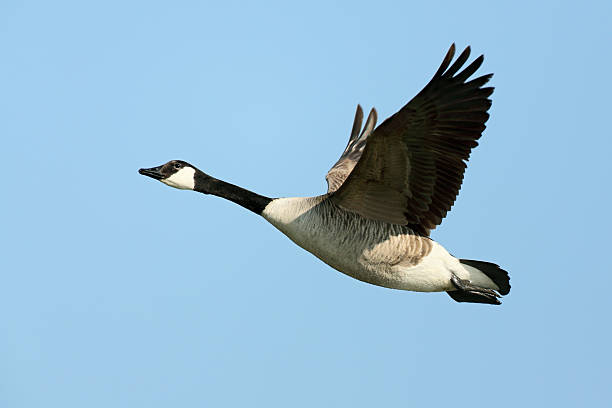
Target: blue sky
<point>118,291</point>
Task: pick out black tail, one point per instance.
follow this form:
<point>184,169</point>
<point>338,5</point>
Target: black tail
<point>494,272</point>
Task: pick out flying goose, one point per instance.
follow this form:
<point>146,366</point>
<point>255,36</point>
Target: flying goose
<point>392,185</point>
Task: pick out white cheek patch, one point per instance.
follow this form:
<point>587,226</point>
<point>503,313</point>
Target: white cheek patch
<point>182,179</point>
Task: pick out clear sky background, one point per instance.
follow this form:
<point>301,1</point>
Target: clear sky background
<point>117,291</point>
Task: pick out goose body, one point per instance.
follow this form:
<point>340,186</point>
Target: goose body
<point>391,186</point>
<point>372,251</point>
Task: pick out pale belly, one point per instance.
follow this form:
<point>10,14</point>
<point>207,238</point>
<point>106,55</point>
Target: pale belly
<point>378,253</point>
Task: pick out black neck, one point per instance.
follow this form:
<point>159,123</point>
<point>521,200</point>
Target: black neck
<point>247,199</point>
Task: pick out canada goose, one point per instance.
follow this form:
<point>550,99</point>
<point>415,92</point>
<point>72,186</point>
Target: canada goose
<point>391,186</point>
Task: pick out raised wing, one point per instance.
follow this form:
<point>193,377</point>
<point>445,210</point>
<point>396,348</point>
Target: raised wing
<point>412,167</point>
<point>349,158</point>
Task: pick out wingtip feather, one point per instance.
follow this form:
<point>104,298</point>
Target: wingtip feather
<point>356,123</point>
<point>447,60</point>
<point>458,63</point>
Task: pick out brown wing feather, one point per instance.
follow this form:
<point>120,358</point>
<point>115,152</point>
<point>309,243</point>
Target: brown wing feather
<point>413,164</point>
<point>354,148</point>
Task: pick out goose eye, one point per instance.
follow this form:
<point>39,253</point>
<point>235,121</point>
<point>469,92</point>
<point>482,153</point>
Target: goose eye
<point>177,166</point>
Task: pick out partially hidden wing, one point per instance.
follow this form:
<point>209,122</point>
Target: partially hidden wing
<point>412,167</point>
<point>349,158</point>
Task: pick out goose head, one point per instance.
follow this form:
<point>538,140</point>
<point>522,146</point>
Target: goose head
<point>175,173</point>
<point>184,176</point>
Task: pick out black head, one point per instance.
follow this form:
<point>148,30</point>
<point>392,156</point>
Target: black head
<point>175,173</point>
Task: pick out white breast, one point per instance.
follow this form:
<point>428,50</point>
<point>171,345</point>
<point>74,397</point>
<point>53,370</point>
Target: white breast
<point>308,223</point>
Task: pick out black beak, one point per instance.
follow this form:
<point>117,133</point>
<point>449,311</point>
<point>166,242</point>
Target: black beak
<point>154,172</point>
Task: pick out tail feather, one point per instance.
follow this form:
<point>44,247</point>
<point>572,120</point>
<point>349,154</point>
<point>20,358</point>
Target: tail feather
<point>493,271</point>
<point>472,297</point>
<point>473,293</point>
